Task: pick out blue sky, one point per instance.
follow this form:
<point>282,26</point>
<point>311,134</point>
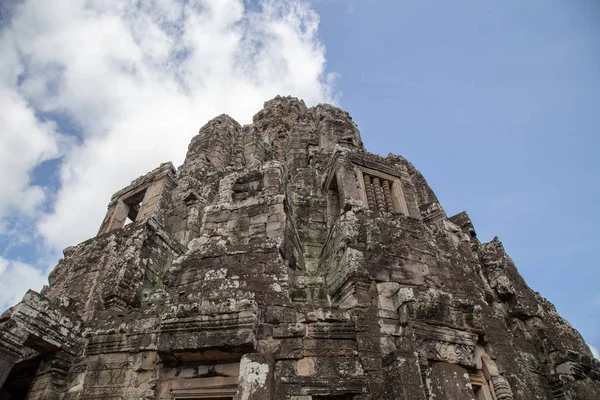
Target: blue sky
<point>496,103</point>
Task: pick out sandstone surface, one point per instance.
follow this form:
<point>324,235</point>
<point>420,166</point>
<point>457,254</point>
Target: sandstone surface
<point>284,261</point>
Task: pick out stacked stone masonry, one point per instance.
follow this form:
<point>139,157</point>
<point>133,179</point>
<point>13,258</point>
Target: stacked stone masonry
<point>284,261</point>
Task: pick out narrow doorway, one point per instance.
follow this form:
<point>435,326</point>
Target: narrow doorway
<point>19,381</point>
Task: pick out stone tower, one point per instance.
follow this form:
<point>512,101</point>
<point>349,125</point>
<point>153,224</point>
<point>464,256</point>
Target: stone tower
<point>283,261</point>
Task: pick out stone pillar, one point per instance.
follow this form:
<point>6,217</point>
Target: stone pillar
<point>50,378</point>
<point>119,216</point>
<point>256,377</point>
<point>193,221</point>
<point>387,195</point>
<point>350,193</point>
<point>379,199</point>
<point>152,196</point>
<point>369,193</point>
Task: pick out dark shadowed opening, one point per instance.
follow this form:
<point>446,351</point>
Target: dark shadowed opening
<point>19,381</point>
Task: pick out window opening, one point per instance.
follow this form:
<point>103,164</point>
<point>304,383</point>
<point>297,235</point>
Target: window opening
<point>379,196</point>
<point>134,204</point>
<point>382,192</point>
<point>21,378</point>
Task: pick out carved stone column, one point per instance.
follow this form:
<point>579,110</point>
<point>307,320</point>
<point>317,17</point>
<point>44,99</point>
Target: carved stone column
<point>369,193</point>
<point>501,388</point>
<point>387,195</point>
<point>378,194</point>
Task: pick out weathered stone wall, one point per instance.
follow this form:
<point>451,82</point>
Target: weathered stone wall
<point>284,261</point>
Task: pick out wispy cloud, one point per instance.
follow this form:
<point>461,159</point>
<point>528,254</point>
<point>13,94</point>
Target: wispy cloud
<point>15,278</point>
<point>595,352</point>
<point>137,80</point>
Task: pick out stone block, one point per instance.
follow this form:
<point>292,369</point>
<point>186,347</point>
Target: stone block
<point>277,315</point>
<point>450,381</point>
<point>306,367</point>
<point>283,261</point>
<point>289,330</point>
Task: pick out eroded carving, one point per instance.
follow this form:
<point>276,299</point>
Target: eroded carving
<point>283,261</point>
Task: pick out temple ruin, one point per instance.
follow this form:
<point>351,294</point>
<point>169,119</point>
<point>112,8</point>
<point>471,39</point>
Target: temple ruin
<point>284,261</point>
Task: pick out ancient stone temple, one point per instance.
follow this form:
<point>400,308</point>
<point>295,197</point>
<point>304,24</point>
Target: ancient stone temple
<point>284,261</point>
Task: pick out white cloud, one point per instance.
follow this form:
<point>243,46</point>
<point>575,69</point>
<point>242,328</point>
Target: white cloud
<point>15,279</point>
<point>595,352</point>
<point>140,81</point>
<point>24,141</point>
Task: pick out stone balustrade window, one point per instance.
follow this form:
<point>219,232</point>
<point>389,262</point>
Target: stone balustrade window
<point>381,192</point>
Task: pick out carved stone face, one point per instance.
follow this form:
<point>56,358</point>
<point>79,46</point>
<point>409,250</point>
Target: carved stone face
<point>279,114</point>
<point>214,143</point>
<point>347,137</point>
<point>338,131</point>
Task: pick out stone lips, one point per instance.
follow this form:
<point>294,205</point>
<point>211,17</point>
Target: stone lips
<point>284,261</point>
